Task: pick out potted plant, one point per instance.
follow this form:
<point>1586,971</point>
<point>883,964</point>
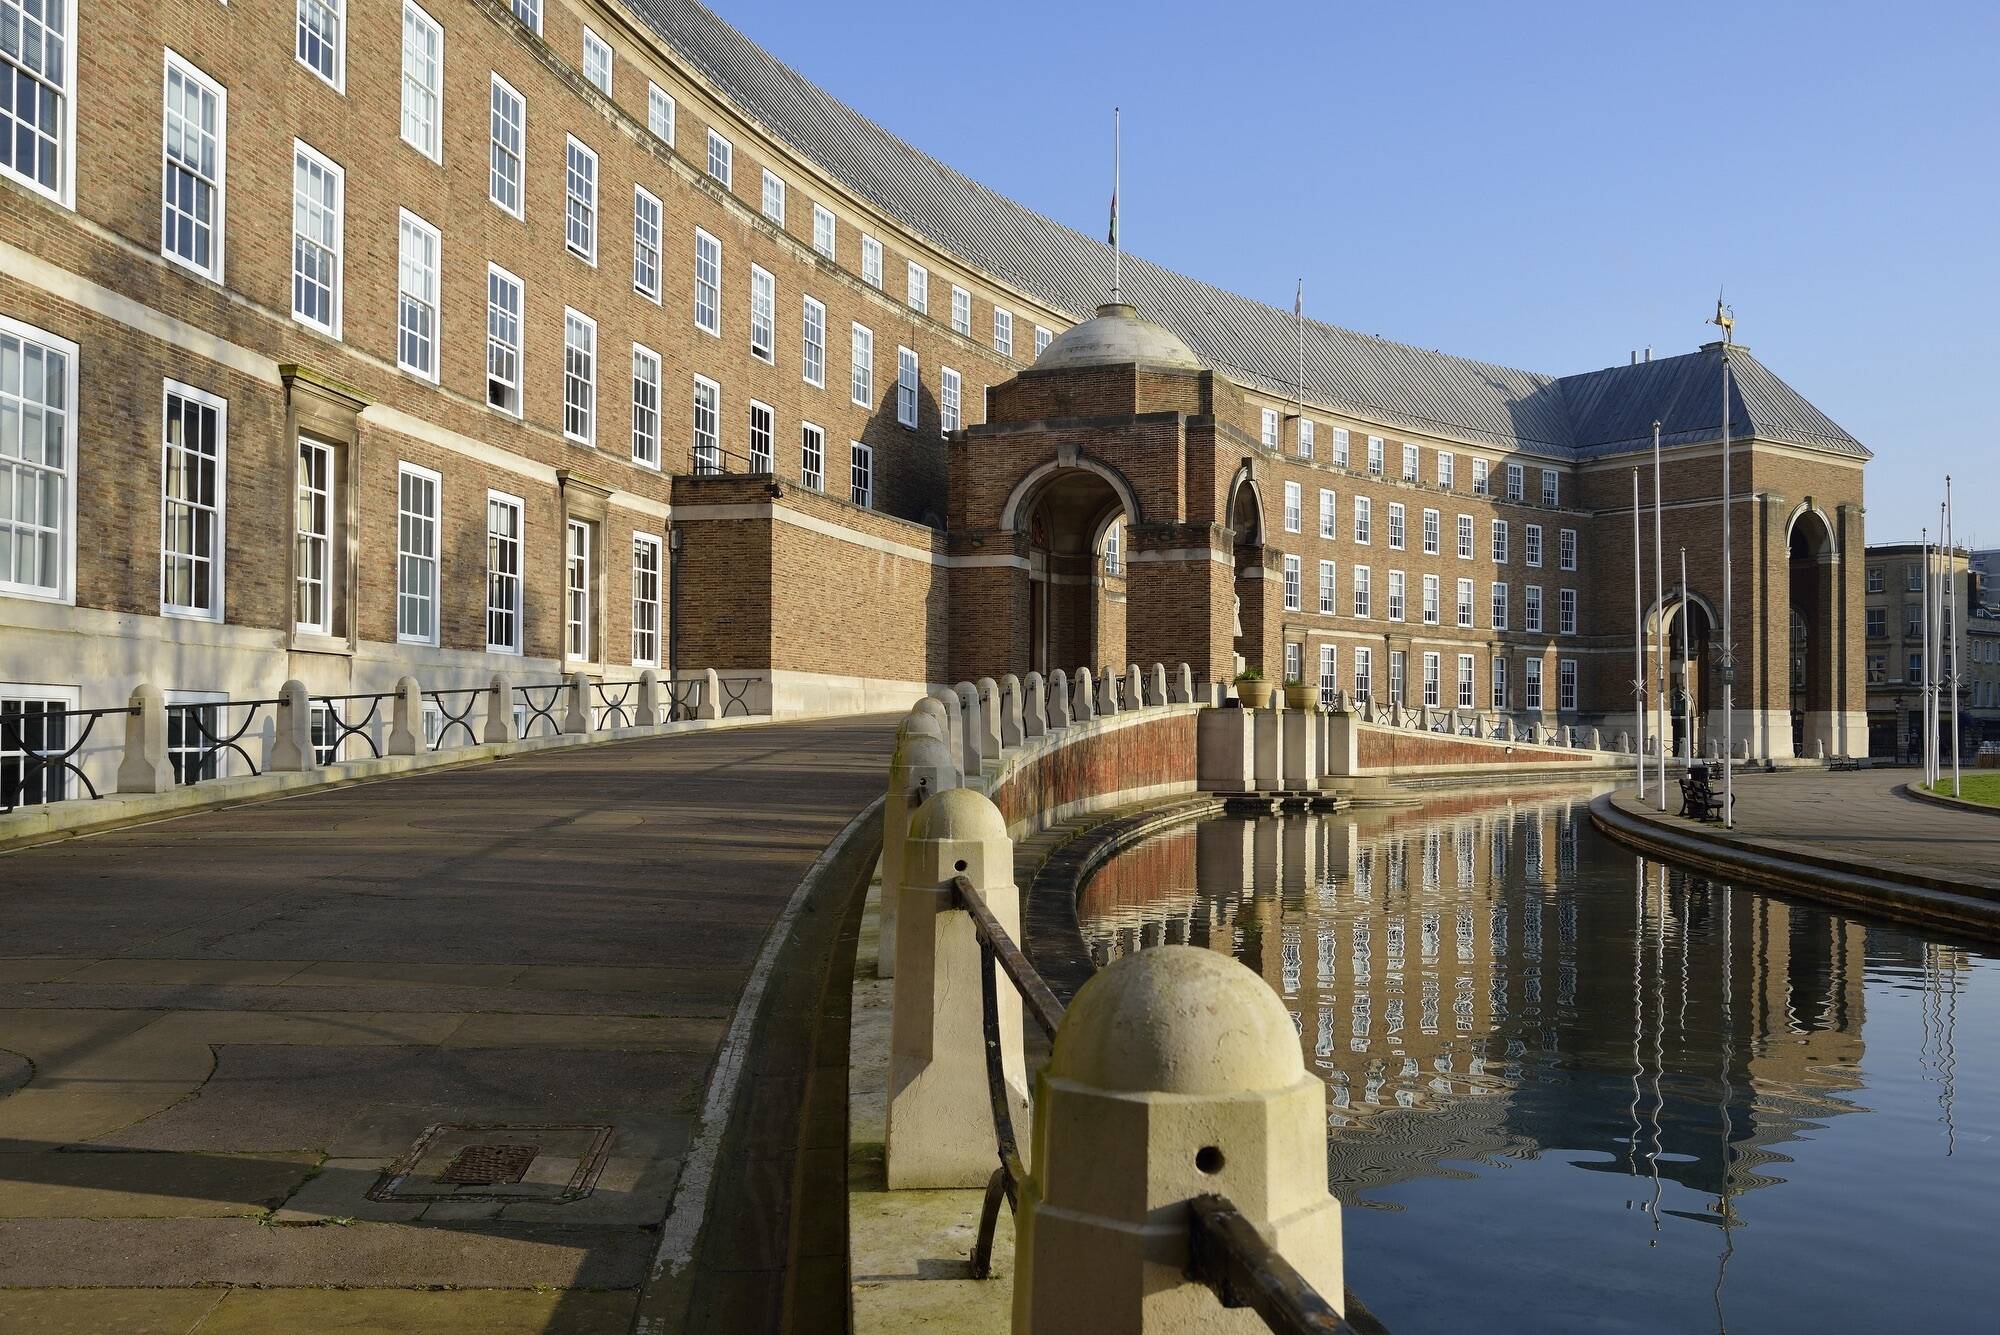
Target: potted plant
<point>1298,695</point>
<point>1252,691</point>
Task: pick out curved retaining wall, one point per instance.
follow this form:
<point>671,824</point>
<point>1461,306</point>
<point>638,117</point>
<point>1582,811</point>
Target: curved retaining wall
<point>1111,761</point>
<point>1380,747</point>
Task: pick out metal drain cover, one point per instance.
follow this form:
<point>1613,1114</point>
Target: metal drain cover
<point>548,1164</point>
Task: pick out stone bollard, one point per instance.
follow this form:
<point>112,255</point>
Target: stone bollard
<point>1034,708</point>
<point>1593,740</point>
<point>1156,691</point>
<point>933,709</point>
<point>968,727</point>
<point>1086,699</point>
<point>1625,743</point>
<point>990,742</point>
<point>1743,749</point>
<point>954,733</point>
<point>647,712</point>
<point>710,704</point>
<point>292,749</point>
<point>940,1124</point>
<point>1059,698</point>
<point>1819,748</point>
<point>1135,688</point>
<point>406,723</point>
<point>499,727</point>
<point>144,768</point>
<point>576,694</point>
<point>1186,692</point>
<point>1107,693</point>
<point>1012,729</point>
<point>920,767</point>
<point>1175,1074</point>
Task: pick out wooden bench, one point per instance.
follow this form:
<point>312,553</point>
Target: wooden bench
<point>1700,801</point>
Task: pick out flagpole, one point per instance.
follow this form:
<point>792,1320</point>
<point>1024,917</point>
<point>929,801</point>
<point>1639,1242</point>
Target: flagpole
<point>1299,344</point>
<point>1660,610</point>
<point>1728,614</point>
<point>1924,625</point>
<point>1957,630</point>
<point>1117,247</point>
<point>1638,637</point>
<point>1687,683</point>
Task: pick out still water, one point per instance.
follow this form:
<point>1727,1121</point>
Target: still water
<point>1574,1090</point>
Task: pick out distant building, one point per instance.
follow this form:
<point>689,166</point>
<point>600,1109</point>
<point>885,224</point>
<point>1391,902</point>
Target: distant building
<point>1893,628</point>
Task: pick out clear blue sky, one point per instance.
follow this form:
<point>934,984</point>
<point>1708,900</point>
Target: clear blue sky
<point>1541,185</point>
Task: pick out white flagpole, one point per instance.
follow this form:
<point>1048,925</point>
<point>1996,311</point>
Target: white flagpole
<point>1728,614</point>
<point>1957,633</point>
<point>1937,651</point>
<point>1687,673</point>
<point>1924,541</point>
<point>1639,639</point>
<point>1117,238</point>
<point>1660,610</point>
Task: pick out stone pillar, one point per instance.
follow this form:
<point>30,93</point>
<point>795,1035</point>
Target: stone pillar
<point>1176,1074</point>
<point>954,734</point>
<point>144,768</point>
<point>1301,758</point>
<point>990,740</point>
<point>920,768</point>
<point>576,699</point>
<point>1085,708</point>
<point>710,704</point>
<point>292,749</point>
<point>1107,693</point>
<point>1012,732</point>
<point>406,725</point>
<point>1224,751</point>
<point>1186,693</point>
<point>1059,698</point>
<point>647,712</point>
<point>1157,695</point>
<point>1135,689</point>
<point>1268,737</point>
<point>1034,708</point>
<point>1343,746</point>
<point>940,1120</point>
<point>969,728</point>
<point>499,728</point>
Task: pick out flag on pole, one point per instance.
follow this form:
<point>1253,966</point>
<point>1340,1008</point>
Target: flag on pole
<point>1299,301</point>
<point>1111,238</point>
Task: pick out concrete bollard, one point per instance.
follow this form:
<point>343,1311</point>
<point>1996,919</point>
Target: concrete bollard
<point>1176,1073</point>
<point>1268,741</point>
<point>576,701</point>
<point>933,709</point>
<point>499,726</point>
<point>1186,692</point>
<point>144,768</point>
<point>710,704</point>
<point>920,767</point>
<point>1034,708</point>
<point>1012,731</point>
<point>990,741</point>
<point>647,711</point>
<point>1819,748</point>
<point>1743,749</point>
<point>1086,699</point>
<point>1592,739</point>
<point>968,727</point>
<point>1135,688</point>
<point>292,749</point>
<point>1156,691</point>
<point>1107,693</point>
<point>940,1123</point>
<point>1059,698</point>
<point>954,733</point>
<point>406,723</point>
<point>1301,749</point>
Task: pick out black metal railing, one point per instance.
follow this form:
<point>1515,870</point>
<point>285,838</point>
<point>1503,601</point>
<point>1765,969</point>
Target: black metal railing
<point>540,703</point>
<point>711,461</point>
<point>1225,1252</point>
<point>455,715</point>
<point>38,757</point>
<point>735,696</point>
<point>344,719</point>
<point>616,700</point>
<point>201,746</point>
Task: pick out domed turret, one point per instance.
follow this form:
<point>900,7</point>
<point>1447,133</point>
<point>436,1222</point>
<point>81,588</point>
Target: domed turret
<point>1116,336</point>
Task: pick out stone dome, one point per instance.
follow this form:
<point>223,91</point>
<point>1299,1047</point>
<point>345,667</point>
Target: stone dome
<point>1116,337</point>
<point>1179,1020</point>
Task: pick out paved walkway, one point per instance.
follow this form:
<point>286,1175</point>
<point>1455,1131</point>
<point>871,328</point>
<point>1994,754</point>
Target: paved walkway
<point>216,1033</point>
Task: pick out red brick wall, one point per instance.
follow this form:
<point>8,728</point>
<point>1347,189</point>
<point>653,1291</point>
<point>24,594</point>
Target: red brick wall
<point>1141,755</point>
<point>1380,748</point>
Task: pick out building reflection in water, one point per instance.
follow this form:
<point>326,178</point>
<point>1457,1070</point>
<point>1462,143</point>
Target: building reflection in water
<point>1483,979</point>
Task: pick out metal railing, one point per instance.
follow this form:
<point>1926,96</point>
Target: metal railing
<point>341,725</point>
<point>541,700</point>
<point>1225,1252</point>
<point>456,715</point>
<point>206,754</point>
<point>617,700</point>
<point>711,462</point>
<point>27,758</point>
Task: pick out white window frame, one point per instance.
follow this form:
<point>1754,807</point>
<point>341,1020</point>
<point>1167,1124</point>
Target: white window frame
<point>216,512</point>
<point>646,601</point>
<point>431,143</point>
<point>1500,608</point>
<point>1432,523</point>
<point>1500,542</point>
<point>579,212</point>
<point>1364,521</point>
<point>516,350</point>
<point>585,405</point>
<point>1342,440</point>
<point>1433,683</point>
<point>763,315</point>
<point>1308,437</point>
<point>861,474</point>
<point>1293,593</point>
<point>648,254</point>
<point>577,559</point>
<point>660,112</point>
<point>961,311</point>
<point>1447,470</point>
<point>812,343</point>
<point>499,95</point>
<point>871,261</point>
<point>171,162</point>
<point>1398,605</point>
<point>1043,338</point>
<point>1498,681</point>
<point>431,597</point>
<point>1566,549</point>
<point>1268,428</point>
<point>1364,672</point>
<point>812,456</point>
<point>1398,526</point>
<point>1467,538</point>
<point>64,149</point>
<point>314,541</point>
<point>1329,674</point>
<point>63,589</point>
<point>917,288</point>
<point>647,377</point>
<point>908,389</point>
<point>1531,546</point>
<point>1551,488</point>
<point>304,154</point>
<point>1294,507</point>
<point>1566,611</point>
<point>1329,513</point>
<point>412,231</point>
<point>1329,589</point>
<point>596,51</point>
<point>826,231</point>
<point>530,13</point>
<point>1531,609</point>
<point>762,452</point>
<point>337,79</point>
<point>707,283</point>
<point>1374,456</point>
<point>1482,484</point>
<point>861,364</point>
<point>514,580</point>
<point>1413,464</point>
<point>1466,597</point>
<point>705,426</point>
<point>1468,684</point>
<point>1566,685</point>
<point>1003,331</point>
<point>721,153</point>
<point>1362,591</point>
<point>951,400</point>
<point>1398,676</point>
<point>1516,481</point>
<point>772,202</point>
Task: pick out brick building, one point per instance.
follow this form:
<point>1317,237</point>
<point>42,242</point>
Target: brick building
<point>543,336</point>
<point>1894,645</point>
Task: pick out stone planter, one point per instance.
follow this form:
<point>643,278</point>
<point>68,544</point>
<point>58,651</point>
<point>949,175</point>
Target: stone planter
<point>1254,694</point>
<point>1302,697</point>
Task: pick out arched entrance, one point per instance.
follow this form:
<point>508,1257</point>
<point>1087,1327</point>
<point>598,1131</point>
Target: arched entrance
<point>1692,691</point>
<point>1246,524</point>
<point>1074,520</point>
<point>1811,628</point>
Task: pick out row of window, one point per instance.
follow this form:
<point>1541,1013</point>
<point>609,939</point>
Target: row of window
<point>1445,476</point>
<point>1432,667</point>
<point>1364,529</point>
<point>1361,598</point>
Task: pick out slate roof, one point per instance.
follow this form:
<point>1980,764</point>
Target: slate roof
<point>1373,378</point>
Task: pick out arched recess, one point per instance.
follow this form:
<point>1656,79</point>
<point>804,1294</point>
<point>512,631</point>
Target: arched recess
<point>1812,629</point>
<point>1692,632</point>
<point>1246,524</point>
<point>1066,509</point>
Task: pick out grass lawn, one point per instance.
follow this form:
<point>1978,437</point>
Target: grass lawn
<point>1983,788</point>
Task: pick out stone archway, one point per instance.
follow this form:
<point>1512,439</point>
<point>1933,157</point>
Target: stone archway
<point>1075,605</point>
<point>1811,632</point>
<point>1690,628</point>
<point>1253,619</point>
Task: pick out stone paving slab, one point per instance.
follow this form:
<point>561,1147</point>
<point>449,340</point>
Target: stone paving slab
<point>132,1186</point>
<point>321,1311</point>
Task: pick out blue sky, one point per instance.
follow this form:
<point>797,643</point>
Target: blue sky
<point>1541,185</point>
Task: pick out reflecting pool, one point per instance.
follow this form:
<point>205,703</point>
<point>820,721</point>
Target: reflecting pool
<point>1571,1089</point>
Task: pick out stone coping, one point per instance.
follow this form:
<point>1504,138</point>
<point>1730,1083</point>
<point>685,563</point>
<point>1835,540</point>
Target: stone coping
<point>26,827</point>
<point>1921,794</point>
<point>1892,890</point>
